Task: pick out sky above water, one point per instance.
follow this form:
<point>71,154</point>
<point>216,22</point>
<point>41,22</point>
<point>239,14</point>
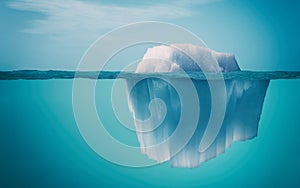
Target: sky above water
<point>263,35</point>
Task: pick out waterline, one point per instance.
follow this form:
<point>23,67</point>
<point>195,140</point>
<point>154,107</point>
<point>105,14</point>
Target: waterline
<point>60,74</point>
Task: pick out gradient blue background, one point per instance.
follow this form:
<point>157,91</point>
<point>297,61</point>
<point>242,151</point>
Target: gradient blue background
<point>41,145</point>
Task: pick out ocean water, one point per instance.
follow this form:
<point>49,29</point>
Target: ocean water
<point>41,145</point>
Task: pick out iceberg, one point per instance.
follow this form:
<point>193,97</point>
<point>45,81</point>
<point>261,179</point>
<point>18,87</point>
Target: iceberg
<point>157,105</point>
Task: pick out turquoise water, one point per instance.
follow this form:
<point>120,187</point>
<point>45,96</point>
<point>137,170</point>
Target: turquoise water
<point>42,147</point>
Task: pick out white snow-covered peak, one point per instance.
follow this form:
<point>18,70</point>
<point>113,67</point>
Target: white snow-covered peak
<point>187,57</point>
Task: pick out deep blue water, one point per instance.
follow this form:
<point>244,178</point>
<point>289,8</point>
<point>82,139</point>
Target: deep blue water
<point>41,145</point>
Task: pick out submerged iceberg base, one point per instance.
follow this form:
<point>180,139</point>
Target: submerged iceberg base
<point>244,101</point>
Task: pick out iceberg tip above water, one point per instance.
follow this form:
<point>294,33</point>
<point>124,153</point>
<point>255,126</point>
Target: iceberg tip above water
<point>224,111</point>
